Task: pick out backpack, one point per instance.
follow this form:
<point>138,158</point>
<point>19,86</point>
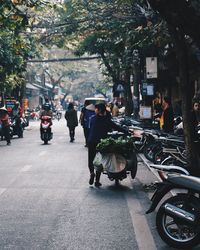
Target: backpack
<point>87,117</point>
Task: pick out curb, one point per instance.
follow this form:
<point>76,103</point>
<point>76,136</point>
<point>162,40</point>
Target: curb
<point>147,163</point>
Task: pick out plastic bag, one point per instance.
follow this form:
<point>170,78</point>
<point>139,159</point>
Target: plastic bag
<point>113,163</point>
<point>98,162</point>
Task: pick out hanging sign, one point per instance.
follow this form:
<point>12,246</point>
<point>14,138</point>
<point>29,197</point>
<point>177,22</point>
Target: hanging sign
<point>151,67</point>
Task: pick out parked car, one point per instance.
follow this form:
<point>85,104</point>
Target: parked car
<point>95,100</point>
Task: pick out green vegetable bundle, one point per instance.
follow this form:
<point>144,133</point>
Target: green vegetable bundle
<point>118,146</point>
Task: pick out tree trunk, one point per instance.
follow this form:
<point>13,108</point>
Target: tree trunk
<point>109,68</point>
<point>136,97</point>
<point>128,95</point>
<point>181,48</point>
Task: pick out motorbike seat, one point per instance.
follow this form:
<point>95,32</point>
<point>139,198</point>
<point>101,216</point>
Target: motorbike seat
<point>184,181</point>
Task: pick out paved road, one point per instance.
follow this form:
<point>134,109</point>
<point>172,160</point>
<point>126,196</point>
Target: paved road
<point>46,202</point>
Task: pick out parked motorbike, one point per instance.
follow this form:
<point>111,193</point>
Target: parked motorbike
<point>178,217</point>
<point>118,160</point>
<point>164,170</point>
<point>45,129</point>
<point>17,126</point>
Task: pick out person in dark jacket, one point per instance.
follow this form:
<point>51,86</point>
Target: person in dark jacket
<point>82,121</point>
<point>72,120</point>
<point>85,118</point>
<point>100,125</point>
<point>167,117</point>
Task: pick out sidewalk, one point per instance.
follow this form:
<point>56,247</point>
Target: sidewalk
<point>148,163</point>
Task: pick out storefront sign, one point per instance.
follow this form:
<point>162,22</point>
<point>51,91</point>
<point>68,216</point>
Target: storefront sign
<point>151,67</point>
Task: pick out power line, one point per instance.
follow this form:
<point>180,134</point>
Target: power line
<point>64,59</point>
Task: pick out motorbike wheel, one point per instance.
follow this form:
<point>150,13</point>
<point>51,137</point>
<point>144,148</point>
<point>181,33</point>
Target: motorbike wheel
<point>45,138</point>
<point>117,182</point>
<point>176,232</point>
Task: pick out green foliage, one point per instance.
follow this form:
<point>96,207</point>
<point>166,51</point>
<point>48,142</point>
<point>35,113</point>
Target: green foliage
<point>119,146</point>
<point>112,29</point>
<point>15,46</point>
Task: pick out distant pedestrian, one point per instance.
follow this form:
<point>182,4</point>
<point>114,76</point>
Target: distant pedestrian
<point>85,117</point>
<point>72,120</point>
<point>5,123</point>
<point>81,120</point>
<point>167,117</point>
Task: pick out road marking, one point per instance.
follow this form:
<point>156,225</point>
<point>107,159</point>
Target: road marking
<point>26,168</point>
<point>2,190</point>
<point>142,231</point>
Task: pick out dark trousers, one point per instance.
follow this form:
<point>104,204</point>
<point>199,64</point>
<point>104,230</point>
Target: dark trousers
<point>86,134</point>
<point>6,133</point>
<point>91,155</point>
<point>72,132</point>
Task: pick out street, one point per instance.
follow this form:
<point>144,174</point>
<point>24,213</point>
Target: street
<point>47,203</point>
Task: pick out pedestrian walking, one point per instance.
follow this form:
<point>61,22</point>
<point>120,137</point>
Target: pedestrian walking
<point>89,112</point>
<point>72,120</point>
<point>167,117</point>
<point>5,123</point>
<point>82,122</point>
<point>100,125</point>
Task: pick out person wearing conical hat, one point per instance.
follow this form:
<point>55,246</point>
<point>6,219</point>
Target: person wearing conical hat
<point>5,123</point>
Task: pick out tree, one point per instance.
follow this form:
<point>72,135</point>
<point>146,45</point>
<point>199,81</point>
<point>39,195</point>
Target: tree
<point>15,47</point>
<point>109,29</point>
<point>182,18</point>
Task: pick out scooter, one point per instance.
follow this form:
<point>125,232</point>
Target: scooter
<point>45,129</point>
<point>164,170</point>
<point>16,127</point>
<point>178,217</point>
